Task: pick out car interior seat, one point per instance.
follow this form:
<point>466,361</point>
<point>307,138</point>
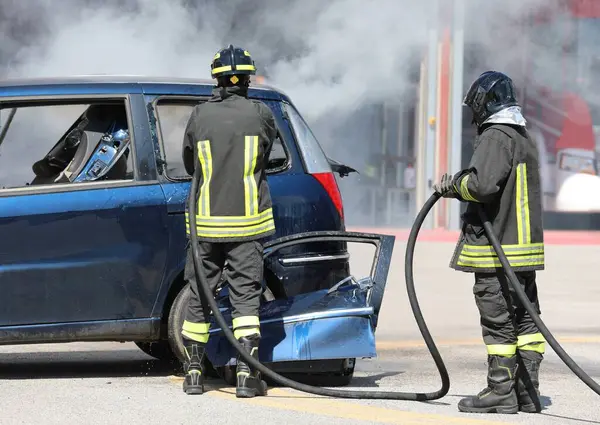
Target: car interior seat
<point>87,145</point>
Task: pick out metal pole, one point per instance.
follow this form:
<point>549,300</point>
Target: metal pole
<point>456,96</point>
<point>421,127</point>
<point>6,126</point>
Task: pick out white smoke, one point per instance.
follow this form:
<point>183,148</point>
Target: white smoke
<point>328,55</point>
<point>332,57</point>
<point>339,53</point>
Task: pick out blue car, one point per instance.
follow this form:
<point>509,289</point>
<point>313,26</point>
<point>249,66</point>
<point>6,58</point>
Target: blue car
<point>92,200</point>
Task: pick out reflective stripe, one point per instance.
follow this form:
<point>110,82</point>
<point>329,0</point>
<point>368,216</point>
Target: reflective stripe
<point>519,261</point>
<point>530,338</point>
<point>485,257</point>
<point>532,342</point>
<point>538,347</point>
<point>245,321</point>
<point>224,232</point>
<point>488,250</point>
<point>205,157</point>
<point>252,223</point>
<point>464,190</point>
<point>221,69</point>
<point>203,338</point>
<point>240,220</point>
<point>522,204</point>
<point>250,188</point>
<point>238,333</point>
<point>245,67</point>
<point>507,350</point>
<point>196,331</point>
<point>198,328</point>
<point>245,325</point>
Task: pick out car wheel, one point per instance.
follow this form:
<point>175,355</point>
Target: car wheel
<point>160,350</point>
<point>175,322</point>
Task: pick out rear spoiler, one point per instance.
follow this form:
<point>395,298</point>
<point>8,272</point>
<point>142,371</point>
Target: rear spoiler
<point>342,169</point>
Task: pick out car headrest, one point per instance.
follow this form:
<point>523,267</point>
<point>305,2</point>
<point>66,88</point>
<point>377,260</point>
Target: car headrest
<point>43,169</point>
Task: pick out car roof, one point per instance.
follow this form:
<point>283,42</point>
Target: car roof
<point>89,84</point>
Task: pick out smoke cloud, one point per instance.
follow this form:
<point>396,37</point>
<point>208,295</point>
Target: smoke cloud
<point>326,55</point>
<point>335,58</point>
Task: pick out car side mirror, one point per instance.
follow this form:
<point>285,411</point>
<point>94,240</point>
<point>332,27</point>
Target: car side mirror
<point>342,169</point>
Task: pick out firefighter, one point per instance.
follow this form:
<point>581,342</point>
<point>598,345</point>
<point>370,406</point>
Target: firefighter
<point>502,176</point>
<point>230,138</point>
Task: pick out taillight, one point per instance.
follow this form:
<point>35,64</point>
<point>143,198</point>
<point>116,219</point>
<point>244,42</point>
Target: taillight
<point>328,182</point>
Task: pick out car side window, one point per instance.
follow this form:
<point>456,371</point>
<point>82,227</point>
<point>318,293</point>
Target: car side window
<point>49,144</point>
<point>172,117</point>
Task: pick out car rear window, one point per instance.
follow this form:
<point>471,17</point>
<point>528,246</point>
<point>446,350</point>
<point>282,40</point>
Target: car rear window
<point>314,158</point>
<point>173,115</point>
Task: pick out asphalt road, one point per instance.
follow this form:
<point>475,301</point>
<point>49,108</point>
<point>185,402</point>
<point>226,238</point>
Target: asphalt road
<point>112,383</point>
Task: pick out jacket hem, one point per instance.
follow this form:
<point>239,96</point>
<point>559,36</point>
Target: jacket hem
<point>234,238</point>
<point>495,269</point>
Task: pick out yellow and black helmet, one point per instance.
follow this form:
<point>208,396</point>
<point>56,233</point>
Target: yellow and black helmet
<point>232,61</point>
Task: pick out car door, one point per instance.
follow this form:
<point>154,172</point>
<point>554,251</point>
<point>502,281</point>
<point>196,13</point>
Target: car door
<point>78,252</point>
<point>335,323</point>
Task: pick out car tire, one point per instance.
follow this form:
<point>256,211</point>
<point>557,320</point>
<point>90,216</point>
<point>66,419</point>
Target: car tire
<point>175,322</point>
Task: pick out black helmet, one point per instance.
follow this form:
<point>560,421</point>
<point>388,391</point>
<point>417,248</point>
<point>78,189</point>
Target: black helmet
<point>232,61</point>
<point>491,92</point>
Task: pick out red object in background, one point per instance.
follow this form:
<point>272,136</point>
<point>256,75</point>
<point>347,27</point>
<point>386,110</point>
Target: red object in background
<point>444,99</point>
<point>577,131</point>
<point>584,8</point>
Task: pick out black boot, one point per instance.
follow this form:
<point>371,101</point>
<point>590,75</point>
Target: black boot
<point>500,395</point>
<point>193,382</point>
<point>528,383</point>
<point>249,382</point>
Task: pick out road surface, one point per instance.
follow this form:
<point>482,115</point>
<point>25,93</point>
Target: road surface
<point>113,383</point>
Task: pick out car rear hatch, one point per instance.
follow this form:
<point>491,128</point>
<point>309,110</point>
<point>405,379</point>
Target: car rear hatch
<point>334,323</point>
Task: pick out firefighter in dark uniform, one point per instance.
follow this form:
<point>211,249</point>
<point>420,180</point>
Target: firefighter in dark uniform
<point>503,176</point>
<point>230,138</point>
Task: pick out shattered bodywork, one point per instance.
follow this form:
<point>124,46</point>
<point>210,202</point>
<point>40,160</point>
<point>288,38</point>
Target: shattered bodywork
<point>334,323</point>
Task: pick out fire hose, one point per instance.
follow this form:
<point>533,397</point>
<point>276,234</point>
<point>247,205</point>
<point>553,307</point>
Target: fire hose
<point>409,257</point>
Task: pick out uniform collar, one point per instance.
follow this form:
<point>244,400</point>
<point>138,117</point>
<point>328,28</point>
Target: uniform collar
<point>511,116</point>
<point>222,93</point>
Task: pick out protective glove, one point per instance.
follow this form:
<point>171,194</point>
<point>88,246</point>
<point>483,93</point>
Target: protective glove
<point>446,187</point>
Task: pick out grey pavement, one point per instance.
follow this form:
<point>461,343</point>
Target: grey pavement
<point>113,383</point>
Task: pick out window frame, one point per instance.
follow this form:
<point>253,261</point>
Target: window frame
<point>198,99</point>
<point>52,100</point>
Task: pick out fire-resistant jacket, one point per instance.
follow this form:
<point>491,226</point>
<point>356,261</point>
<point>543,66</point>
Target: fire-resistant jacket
<point>230,138</point>
<point>503,176</point>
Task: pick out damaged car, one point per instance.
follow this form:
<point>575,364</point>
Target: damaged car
<point>92,201</point>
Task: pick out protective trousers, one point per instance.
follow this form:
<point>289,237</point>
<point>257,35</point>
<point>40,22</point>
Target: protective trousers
<point>244,275</point>
<point>506,325</point>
